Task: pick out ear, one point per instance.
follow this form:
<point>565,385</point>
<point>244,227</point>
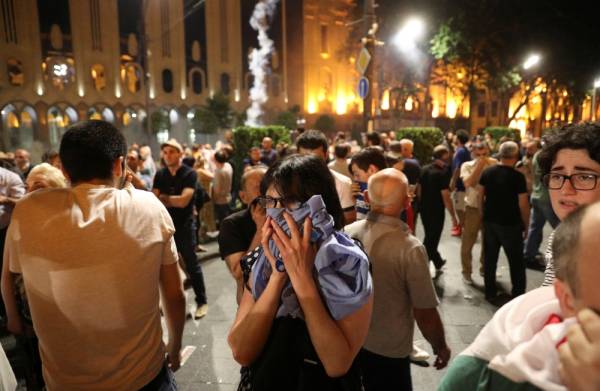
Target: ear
<point>565,298</point>
<point>242,195</point>
<point>65,173</point>
<point>118,169</point>
<point>366,196</point>
<point>372,169</point>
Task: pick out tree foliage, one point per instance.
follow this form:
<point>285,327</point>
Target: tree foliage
<point>214,115</point>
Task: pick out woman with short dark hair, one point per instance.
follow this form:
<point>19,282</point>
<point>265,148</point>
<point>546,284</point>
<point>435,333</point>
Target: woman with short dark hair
<point>306,311</point>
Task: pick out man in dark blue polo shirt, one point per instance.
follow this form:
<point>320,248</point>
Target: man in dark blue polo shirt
<point>175,185</point>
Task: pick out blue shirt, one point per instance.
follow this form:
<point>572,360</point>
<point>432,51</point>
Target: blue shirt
<point>460,156</point>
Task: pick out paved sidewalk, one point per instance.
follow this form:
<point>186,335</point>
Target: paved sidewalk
<point>210,365</point>
<point>463,308</point>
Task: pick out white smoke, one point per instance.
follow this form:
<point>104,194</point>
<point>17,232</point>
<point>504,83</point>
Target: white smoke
<point>259,59</point>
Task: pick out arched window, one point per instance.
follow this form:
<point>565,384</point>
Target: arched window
<point>108,115</point>
<point>167,80</point>
<point>197,82</point>
<point>131,76</point>
<point>14,68</point>
<point>56,125</point>
<point>225,83</point>
<point>98,78</point>
<point>59,70</point>
<point>94,113</point>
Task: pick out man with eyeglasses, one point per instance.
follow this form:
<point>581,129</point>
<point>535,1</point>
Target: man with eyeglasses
<point>503,195</point>
<point>570,163</point>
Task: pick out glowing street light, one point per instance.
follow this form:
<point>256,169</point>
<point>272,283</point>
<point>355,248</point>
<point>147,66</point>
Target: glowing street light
<point>531,61</point>
<point>406,38</point>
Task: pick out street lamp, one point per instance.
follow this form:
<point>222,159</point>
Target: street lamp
<point>531,61</point>
<point>593,108</point>
<point>408,35</point>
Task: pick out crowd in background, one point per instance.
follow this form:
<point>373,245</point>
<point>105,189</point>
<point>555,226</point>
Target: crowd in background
<point>363,204</point>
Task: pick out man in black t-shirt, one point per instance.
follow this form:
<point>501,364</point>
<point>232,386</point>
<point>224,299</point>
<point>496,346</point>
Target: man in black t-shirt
<point>435,198</point>
<point>175,185</point>
<point>241,232</point>
<point>503,194</point>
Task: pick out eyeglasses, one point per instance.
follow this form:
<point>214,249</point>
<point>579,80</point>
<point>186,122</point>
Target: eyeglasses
<point>272,202</point>
<point>583,181</point>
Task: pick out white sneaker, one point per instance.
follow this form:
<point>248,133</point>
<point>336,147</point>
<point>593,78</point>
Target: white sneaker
<point>212,234</point>
<point>419,354</point>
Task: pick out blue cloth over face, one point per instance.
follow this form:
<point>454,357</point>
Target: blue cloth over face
<point>341,267</point>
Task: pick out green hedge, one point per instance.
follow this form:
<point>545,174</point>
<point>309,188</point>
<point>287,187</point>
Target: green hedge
<point>497,132</point>
<point>245,137</point>
<point>425,139</point>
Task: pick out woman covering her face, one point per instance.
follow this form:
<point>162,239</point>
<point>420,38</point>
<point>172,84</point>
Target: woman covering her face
<point>305,312</point>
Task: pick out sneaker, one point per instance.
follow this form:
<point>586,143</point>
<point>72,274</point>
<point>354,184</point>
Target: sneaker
<point>212,234</point>
<point>467,280</point>
<point>201,249</point>
<point>201,311</point>
<point>418,354</point>
<point>456,230</point>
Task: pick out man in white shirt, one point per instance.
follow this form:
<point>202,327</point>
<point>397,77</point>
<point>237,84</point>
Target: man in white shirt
<point>94,258</point>
<point>470,172</point>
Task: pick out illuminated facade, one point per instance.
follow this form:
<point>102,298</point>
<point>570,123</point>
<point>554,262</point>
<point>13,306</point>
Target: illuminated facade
<point>69,60</point>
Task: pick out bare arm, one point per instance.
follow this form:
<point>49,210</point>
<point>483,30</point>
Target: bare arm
<point>430,324</point>
<point>233,263</point>
<point>180,201</point>
<point>14,321</point>
<point>174,308</point>
<point>524,208</point>
<point>336,342</point>
<point>473,179</point>
<point>253,321</point>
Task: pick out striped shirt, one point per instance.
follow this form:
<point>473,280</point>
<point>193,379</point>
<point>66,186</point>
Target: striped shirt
<point>549,272</point>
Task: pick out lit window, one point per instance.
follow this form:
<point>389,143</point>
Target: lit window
<point>98,79</point>
<point>15,72</point>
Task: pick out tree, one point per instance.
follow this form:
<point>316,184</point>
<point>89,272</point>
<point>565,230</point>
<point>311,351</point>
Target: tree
<point>214,115</point>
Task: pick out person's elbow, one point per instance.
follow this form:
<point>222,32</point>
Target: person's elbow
<point>241,354</point>
<point>338,367</point>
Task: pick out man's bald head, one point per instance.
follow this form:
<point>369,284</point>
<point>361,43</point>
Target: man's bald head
<point>388,190</point>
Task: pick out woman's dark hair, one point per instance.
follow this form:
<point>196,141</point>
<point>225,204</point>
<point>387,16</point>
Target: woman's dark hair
<point>369,155</point>
<point>299,177</point>
<point>89,149</point>
<point>584,136</point>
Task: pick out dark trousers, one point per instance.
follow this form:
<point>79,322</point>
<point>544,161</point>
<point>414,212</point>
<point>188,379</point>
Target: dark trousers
<point>433,225</point>
<point>185,239</point>
<point>221,211</point>
<point>384,373</point>
<point>510,238</point>
<point>164,381</point>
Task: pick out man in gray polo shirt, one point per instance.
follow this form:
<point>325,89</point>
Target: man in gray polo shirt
<point>402,285</point>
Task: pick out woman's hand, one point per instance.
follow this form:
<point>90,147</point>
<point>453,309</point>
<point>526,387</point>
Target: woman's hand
<point>267,232</point>
<point>297,252</point>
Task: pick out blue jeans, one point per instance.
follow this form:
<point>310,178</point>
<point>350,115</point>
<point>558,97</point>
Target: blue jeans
<point>540,213</point>
<point>164,381</point>
<point>185,240</point>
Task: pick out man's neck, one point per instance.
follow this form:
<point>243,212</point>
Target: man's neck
<point>96,182</point>
<point>24,167</point>
<point>507,163</point>
<point>174,168</point>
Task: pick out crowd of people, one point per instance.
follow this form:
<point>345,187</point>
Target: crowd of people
<point>320,237</point>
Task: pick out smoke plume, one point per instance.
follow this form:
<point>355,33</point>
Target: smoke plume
<point>259,59</point>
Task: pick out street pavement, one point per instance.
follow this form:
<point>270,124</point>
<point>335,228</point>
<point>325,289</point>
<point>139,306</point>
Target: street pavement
<point>208,363</point>
<point>463,309</point>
